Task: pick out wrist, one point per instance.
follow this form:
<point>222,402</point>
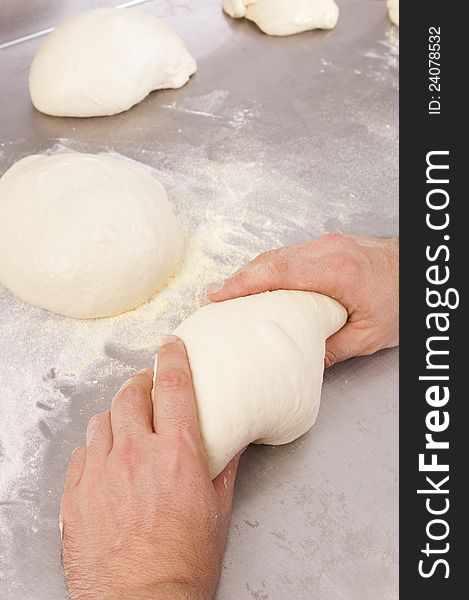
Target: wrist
<point>176,591</point>
<point>168,590</point>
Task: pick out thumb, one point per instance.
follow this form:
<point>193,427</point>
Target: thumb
<point>346,343</point>
<point>225,481</point>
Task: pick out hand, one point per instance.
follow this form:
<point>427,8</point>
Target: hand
<point>141,518</point>
<point>361,272</point>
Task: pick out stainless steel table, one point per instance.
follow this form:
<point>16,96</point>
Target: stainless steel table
<point>274,141</point>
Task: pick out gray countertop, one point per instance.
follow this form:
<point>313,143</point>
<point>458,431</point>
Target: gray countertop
<point>272,142</point>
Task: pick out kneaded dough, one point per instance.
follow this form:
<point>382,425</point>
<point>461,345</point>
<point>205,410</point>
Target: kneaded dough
<point>102,62</point>
<point>84,235</point>
<point>393,9</point>
<point>285,17</point>
<point>257,365</point>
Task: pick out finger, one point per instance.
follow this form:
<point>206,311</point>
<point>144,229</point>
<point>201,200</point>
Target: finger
<point>75,468</point>
<point>131,408</point>
<point>224,482</point>
<point>259,275</point>
<point>174,403</point>
<point>75,472</point>
<point>350,341</point>
<point>99,436</point>
<point>308,267</point>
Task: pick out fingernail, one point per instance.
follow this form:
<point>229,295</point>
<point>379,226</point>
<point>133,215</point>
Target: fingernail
<point>215,288</point>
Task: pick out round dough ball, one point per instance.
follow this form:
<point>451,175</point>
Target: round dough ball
<point>257,364</point>
<point>102,62</point>
<point>285,17</point>
<point>393,11</point>
<point>84,235</point>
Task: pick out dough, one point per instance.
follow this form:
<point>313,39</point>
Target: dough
<point>393,8</point>
<point>84,235</point>
<point>257,364</point>
<point>285,17</point>
<point>102,62</point>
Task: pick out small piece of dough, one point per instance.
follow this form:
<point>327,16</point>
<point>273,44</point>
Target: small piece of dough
<point>393,9</point>
<point>102,62</point>
<point>257,364</point>
<point>285,17</point>
<point>84,235</point>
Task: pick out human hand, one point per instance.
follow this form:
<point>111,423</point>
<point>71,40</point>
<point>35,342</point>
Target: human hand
<point>141,517</point>
<point>361,272</point>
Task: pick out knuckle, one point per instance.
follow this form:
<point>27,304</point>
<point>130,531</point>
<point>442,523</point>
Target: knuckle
<point>244,277</point>
<point>347,263</point>
<point>92,422</point>
<point>262,257</point>
<point>131,394</point>
<point>78,454</point>
<point>172,379</point>
<point>333,237</point>
<point>127,453</point>
<point>132,391</point>
<point>278,265</point>
<point>330,359</point>
<point>77,460</point>
<point>266,269</point>
<point>272,260</point>
<point>184,434</point>
<point>370,342</point>
<point>183,453</point>
<point>97,421</point>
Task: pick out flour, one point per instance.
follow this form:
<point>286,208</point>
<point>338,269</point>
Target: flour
<point>213,106</point>
<point>45,352</point>
<point>235,194</point>
<point>387,61</point>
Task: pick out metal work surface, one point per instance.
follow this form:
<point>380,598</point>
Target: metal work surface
<point>273,141</point>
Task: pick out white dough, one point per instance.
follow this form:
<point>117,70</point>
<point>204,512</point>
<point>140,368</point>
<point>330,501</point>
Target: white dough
<point>257,365</point>
<point>285,17</point>
<point>84,235</point>
<point>393,8</point>
<point>102,62</point>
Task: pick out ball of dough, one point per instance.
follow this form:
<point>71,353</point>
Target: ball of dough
<point>84,235</point>
<point>393,11</point>
<point>285,17</point>
<point>257,365</point>
<point>102,62</point>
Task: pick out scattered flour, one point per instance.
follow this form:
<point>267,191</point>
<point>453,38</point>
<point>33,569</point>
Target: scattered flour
<point>387,60</point>
<point>213,106</point>
<point>254,179</point>
<point>45,352</point>
<point>235,194</point>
